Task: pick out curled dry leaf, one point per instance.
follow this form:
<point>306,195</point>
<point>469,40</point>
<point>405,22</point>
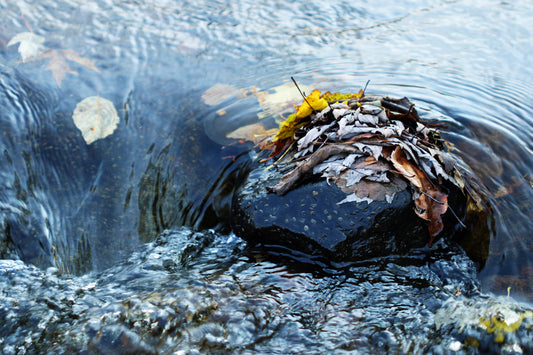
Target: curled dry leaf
<point>96,118</point>
<point>430,203</point>
<point>371,191</point>
<point>289,179</point>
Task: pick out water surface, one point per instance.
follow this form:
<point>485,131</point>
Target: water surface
<point>466,65</point>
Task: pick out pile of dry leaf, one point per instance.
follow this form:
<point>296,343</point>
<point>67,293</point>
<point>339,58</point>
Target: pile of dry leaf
<point>370,147</point>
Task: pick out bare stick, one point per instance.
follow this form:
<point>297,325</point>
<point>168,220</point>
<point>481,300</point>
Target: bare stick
<point>431,197</point>
<point>26,22</point>
<point>301,93</point>
<point>458,220</point>
<point>366,85</point>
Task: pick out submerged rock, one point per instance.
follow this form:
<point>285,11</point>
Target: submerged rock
<point>206,293</point>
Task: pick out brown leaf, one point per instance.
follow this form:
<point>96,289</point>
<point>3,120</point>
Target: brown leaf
<point>430,203</point>
<point>58,62</point>
<point>76,57</point>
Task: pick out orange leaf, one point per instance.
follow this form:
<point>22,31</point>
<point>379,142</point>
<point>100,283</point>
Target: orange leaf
<point>431,203</point>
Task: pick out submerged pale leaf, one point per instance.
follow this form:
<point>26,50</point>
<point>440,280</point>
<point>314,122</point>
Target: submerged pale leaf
<point>96,118</point>
<point>277,99</point>
<point>30,44</point>
<point>218,93</point>
<point>255,133</point>
<point>58,64</point>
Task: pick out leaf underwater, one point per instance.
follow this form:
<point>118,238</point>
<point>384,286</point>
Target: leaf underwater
<point>58,64</point>
<point>277,99</point>
<point>255,133</point>
<point>219,93</point>
<point>30,44</point>
<point>272,101</point>
<point>96,118</point>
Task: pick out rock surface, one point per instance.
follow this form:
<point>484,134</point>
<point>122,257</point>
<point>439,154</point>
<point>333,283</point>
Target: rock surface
<point>310,219</point>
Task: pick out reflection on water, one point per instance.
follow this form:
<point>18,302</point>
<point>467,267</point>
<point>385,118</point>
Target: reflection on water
<point>466,65</point>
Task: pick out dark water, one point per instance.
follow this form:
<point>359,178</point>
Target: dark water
<point>84,209</point>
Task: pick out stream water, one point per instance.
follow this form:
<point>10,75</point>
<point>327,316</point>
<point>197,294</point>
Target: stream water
<point>96,242</point>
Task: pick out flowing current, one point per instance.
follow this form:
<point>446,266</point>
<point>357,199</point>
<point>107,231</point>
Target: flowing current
<point>97,243</point>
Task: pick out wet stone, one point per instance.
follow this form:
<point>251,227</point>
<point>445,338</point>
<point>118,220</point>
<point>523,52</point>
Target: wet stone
<point>315,223</point>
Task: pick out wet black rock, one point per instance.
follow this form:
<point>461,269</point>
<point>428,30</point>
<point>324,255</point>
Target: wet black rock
<point>310,219</point>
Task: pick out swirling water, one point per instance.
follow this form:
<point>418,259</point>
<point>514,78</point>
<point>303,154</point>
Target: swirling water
<point>80,208</point>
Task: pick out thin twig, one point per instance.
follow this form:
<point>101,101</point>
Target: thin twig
<point>285,153</point>
<point>301,93</point>
<point>366,85</point>
<point>458,220</point>
<point>431,197</point>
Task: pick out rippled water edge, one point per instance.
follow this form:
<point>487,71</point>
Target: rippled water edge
<point>205,292</point>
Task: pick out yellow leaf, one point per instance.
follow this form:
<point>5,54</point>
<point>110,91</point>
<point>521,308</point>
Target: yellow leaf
<point>328,96</point>
<point>317,104</point>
